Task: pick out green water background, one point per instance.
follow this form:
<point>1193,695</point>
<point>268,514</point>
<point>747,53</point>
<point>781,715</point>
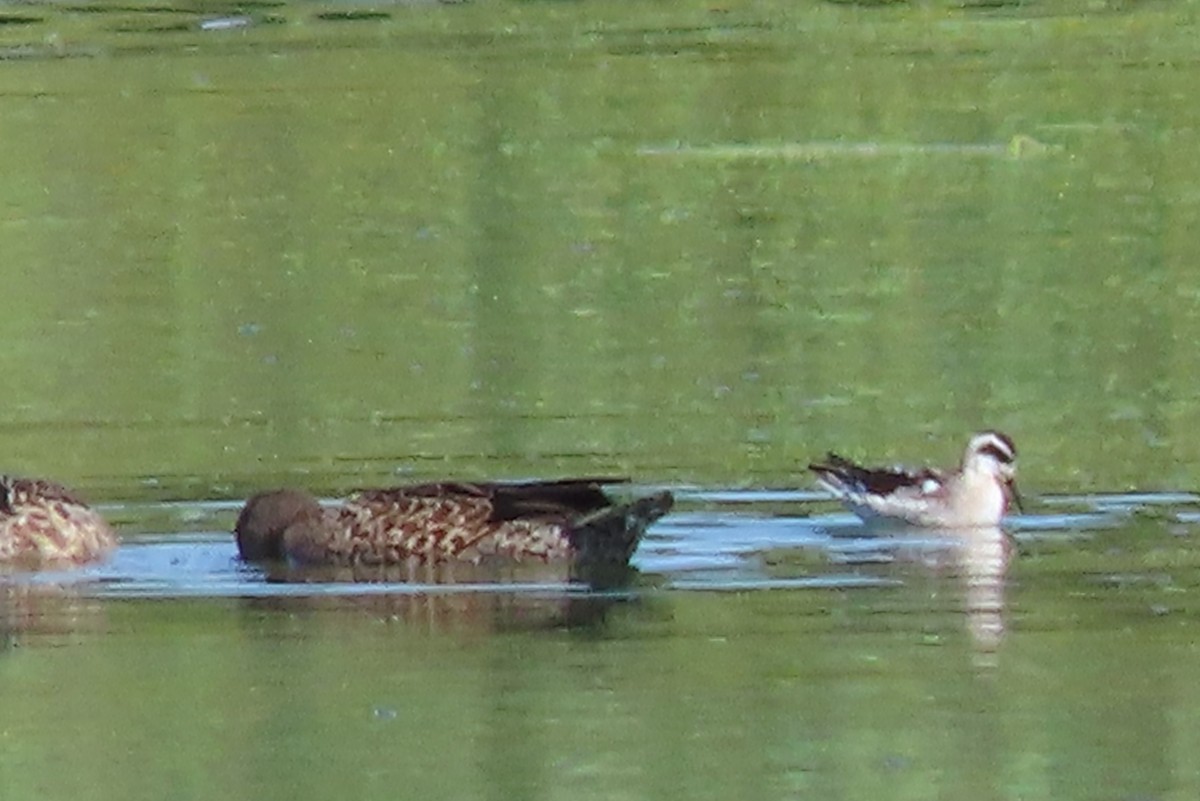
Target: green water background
<point>697,243</point>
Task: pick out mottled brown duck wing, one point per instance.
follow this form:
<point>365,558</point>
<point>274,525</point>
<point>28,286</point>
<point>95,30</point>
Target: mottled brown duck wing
<point>406,492</point>
<point>16,492</point>
<point>530,521</point>
<point>561,499</point>
<point>399,507</point>
<point>386,526</point>
<point>43,523</point>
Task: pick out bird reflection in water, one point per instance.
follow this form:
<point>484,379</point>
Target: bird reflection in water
<point>974,559</point>
<point>454,596</point>
<point>983,558</point>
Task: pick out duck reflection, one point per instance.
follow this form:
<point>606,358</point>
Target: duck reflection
<point>471,613</point>
<point>575,570</point>
<point>28,608</point>
<point>489,596</point>
<point>446,607</point>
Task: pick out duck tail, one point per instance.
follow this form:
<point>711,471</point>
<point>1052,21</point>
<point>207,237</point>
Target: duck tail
<point>603,542</point>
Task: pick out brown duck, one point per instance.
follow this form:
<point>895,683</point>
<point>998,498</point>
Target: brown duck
<point>43,524</point>
<point>571,520</point>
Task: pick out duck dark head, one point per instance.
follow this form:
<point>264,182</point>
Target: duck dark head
<point>266,518</point>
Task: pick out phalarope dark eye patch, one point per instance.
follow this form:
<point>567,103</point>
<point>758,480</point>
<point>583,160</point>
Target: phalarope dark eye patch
<point>1000,455</point>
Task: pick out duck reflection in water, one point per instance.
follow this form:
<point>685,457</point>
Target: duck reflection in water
<point>34,608</point>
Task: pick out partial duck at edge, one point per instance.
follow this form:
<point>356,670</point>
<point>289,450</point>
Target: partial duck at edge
<point>45,525</point>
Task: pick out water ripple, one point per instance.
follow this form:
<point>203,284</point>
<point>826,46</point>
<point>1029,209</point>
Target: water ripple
<point>719,539</point>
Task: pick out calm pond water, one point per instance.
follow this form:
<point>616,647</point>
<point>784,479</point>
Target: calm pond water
<point>338,245</point>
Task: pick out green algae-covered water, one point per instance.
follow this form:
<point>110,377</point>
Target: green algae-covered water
<point>344,245</point>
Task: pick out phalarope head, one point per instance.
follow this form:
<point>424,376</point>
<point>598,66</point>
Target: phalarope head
<point>993,453</point>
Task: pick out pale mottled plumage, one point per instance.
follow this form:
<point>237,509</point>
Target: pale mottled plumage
<point>42,524</point>
<point>977,494</point>
<point>571,519</point>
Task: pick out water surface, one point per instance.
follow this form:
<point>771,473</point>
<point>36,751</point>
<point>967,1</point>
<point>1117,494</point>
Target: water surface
<point>770,646</point>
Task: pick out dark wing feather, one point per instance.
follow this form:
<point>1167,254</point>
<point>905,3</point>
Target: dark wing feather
<point>543,500</point>
<point>874,480</point>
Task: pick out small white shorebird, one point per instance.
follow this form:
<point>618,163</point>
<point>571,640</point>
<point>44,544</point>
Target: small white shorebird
<point>975,495</point>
